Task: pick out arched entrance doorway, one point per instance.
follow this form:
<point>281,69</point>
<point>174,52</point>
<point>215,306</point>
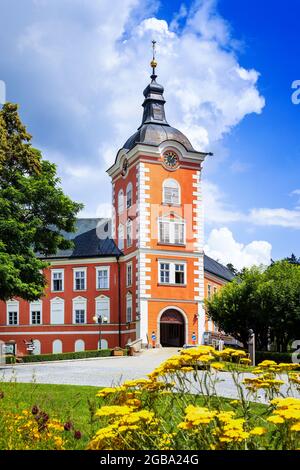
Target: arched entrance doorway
<point>172,328</point>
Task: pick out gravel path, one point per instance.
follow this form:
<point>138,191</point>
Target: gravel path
<point>103,372</point>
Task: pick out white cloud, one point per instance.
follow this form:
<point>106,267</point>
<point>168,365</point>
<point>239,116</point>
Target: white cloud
<point>222,246</point>
<point>218,211</point>
<point>279,217</point>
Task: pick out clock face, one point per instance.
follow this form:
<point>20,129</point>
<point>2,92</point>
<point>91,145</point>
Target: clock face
<point>170,159</point>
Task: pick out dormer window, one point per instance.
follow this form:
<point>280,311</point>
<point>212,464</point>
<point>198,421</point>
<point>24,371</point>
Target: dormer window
<point>171,192</point>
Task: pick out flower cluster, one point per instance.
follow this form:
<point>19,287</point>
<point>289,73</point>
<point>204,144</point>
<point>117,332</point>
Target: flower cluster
<point>35,430</point>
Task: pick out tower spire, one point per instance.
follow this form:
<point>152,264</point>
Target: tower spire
<point>154,111</point>
<point>153,62</point>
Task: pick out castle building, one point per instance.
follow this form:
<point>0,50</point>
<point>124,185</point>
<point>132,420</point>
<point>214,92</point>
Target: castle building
<point>142,274</point>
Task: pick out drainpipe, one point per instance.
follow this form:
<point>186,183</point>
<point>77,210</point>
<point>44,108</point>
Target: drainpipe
<point>119,300</point>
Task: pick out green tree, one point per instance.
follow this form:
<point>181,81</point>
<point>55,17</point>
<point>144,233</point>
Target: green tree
<point>264,300</point>
<point>33,210</point>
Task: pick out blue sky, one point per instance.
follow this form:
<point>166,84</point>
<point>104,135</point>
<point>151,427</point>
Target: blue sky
<point>78,69</point>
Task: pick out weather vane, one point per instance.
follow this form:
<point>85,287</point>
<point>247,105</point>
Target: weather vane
<point>153,61</point>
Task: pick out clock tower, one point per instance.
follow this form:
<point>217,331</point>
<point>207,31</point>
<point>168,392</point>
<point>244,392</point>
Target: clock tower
<point>158,225</point>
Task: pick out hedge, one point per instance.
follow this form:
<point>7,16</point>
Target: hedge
<point>273,356</point>
<point>65,356</point>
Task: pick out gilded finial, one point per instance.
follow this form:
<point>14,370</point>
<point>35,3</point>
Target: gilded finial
<point>153,62</point>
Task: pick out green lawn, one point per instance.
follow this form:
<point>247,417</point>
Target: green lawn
<point>78,403</point>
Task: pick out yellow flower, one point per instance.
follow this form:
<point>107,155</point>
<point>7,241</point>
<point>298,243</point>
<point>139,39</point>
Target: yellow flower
<point>258,431</point>
<point>275,420</point>
<point>296,427</point>
<point>114,410</point>
<point>217,365</point>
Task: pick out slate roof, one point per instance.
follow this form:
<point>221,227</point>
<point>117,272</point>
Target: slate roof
<point>92,239</point>
<point>217,269</point>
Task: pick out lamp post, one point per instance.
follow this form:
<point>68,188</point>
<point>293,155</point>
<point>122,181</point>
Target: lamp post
<point>100,320</point>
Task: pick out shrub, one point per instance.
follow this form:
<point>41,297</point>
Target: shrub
<point>65,356</point>
<point>273,356</point>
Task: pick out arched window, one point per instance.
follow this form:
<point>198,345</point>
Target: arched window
<point>129,195</point>
<point>79,345</point>
<point>37,346</point>
<point>171,192</point>
<point>121,236</point>
<point>103,344</point>
<point>120,201</point>
<point>57,346</point>
<point>129,233</point>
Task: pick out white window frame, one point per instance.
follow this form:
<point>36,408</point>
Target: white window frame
<point>98,301</point>
<point>121,201</point>
<point>35,307</point>
<point>172,264</point>
<point>12,306</point>
<point>171,184</point>
<point>79,303</point>
<point>78,270</point>
<point>60,301</point>
<point>129,189</point>
<point>129,232</point>
<point>103,268</point>
<point>61,271</point>
<point>171,223</point>
<point>129,267</point>
<point>121,237</point>
<point>129,304</point>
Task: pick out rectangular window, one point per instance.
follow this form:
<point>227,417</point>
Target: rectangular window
<point>35,309</point>
<point>12,309</point>
<point>172,232</point>
<point>57,311</point>
<point>103,278</point>
<point>129,274</point>
<point>129,309</point>
<point>164,232</point>
<point>12,318</point>
<point>36,317</point>
<point>103,309</point>
<point>129,233</point>
<point>178,233</point>
<point>129,198</point>
<point>165,273</point>
<point>79,279</point>
<point>179,273</point>
<point>215,290</point>
<point>208,291</point>
<point>57,280</point>
<point>172,273</point>
<point>80,316</point>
